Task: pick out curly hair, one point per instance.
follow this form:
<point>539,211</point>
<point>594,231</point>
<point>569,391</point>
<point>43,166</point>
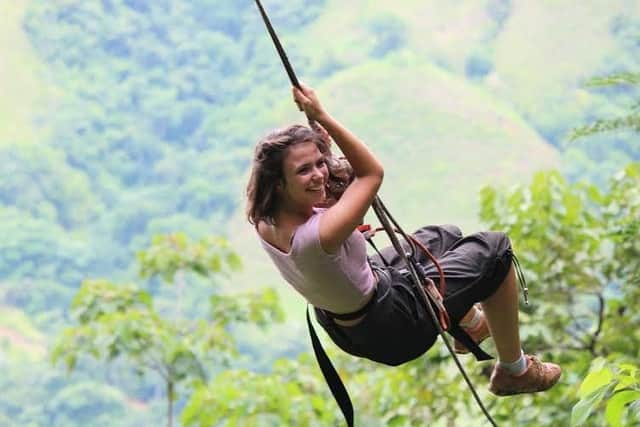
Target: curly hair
<point>267,171</point>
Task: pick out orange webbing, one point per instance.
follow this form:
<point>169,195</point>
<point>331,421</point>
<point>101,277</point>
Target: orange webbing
<point>436,295</point>
<point>444,316</point>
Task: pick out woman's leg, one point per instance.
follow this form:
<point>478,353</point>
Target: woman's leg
<point>474,323</point>
<point>515,372</point>
<point>470,317</point>
<point>501,311</point>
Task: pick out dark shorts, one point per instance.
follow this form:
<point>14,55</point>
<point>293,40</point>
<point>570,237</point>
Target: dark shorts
<point>397,327</point>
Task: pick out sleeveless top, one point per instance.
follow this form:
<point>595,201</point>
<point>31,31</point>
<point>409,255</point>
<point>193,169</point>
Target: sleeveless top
<point>339,283</point>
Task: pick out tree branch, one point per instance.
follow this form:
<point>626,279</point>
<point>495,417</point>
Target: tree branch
<point>596,334</point>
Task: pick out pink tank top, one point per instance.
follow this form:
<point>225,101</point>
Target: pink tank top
<point>339,283</point>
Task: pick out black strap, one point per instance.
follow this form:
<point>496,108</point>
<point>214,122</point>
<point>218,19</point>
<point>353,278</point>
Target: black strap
<point>461,335</point>
<point>332,378</point>
<point>375,248</point>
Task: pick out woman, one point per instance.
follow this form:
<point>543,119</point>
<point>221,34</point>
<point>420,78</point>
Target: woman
<point>370,309</point>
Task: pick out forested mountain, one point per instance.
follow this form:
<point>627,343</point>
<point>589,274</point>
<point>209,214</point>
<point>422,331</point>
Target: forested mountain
<point>124,119</point>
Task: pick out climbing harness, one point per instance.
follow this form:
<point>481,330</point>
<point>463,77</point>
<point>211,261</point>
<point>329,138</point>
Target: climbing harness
<point>435,294</point>
<point>430,295</point>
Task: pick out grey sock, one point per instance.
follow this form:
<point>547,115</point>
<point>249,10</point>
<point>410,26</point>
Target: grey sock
<point>516,367</point>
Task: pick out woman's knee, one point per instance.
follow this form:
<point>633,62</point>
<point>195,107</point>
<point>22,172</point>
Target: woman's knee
<point>498,242</point>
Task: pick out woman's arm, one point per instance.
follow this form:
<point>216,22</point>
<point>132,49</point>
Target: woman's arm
<point>339,221</point>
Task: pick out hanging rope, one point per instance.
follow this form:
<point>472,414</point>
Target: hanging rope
<point>391,227</point>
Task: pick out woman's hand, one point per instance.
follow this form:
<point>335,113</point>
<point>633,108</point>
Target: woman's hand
<point>308,102</point>
<point>322,132</point>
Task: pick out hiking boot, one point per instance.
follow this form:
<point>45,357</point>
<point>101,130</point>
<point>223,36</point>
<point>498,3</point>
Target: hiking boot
<point>478,334</point>
<point>538,376</point>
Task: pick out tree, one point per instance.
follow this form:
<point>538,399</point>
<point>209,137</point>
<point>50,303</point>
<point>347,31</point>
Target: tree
<point>612,382</point>
<point>574,242</point>
<point>119,321</point>
<point>616,384</point>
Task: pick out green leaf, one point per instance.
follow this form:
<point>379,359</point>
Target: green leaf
<point>397,420</point>
<point>615,79</point>
<point>616,406</point>
<point>234,261</point>
<point>585,406</point>
<point>596,379</point>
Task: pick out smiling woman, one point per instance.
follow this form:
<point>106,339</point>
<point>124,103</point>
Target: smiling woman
<point>268,178</point>
<point>367,305</point>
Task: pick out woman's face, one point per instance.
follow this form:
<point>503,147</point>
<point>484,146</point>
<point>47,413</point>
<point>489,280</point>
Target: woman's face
<point>305,176</point>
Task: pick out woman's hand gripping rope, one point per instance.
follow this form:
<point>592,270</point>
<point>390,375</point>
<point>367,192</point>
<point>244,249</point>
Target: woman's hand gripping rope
<point>307,101</point>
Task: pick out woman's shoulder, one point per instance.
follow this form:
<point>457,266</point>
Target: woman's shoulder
<point>280,237</point>
<point>269,234</point>
<point>284,236</point>
<point>263,230</point>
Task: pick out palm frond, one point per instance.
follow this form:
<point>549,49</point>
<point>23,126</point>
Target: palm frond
<point>628,122</point>
<point>627,78</point>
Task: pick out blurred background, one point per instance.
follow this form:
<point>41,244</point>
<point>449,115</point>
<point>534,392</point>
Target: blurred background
<point>126,133</point>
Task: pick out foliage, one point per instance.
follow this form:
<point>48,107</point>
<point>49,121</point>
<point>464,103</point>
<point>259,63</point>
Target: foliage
<point>119,321</point>
<point>171,253</point>
<point>613,122</point>
<point>35,394</point>
<point>38,180</point>
<point>294,394</point>
<point>581,269</point>
<point>630,121</point>
<point>618,385</point>
<point>40,249</point>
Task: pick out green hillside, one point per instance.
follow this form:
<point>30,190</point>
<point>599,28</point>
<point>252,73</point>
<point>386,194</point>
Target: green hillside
<point>122,119</point>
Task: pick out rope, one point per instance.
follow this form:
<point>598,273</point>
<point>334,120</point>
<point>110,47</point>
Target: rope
<point>386,219</point>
